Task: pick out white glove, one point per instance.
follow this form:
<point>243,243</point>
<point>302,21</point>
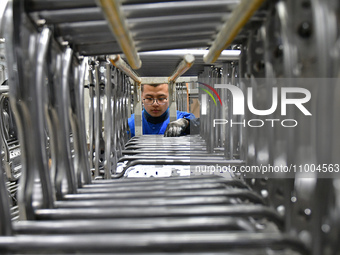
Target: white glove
<point>176,128</point>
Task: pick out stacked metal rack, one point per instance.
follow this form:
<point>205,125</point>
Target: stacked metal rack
<point>75,199</point>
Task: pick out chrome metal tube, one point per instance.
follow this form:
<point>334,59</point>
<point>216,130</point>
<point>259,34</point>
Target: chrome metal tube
<point>118,62</point>
<point>186,63</point>
<point>231,28</point>
<point>4,89</point>
<point>114,16</point>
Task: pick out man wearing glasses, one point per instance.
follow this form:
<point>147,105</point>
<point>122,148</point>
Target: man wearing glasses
<point>156,119</point>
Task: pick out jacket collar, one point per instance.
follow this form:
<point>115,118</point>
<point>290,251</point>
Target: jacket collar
<point>156,120</point>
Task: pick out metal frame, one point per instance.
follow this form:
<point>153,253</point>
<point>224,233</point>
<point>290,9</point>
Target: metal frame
<point>281,214</point>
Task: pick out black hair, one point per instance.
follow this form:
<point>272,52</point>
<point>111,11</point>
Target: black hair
<point>153,85</point>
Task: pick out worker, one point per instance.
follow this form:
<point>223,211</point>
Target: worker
<point>156,117</point>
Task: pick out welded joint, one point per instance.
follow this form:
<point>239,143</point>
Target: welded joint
<point>118,62</point>
<point>183,66</point>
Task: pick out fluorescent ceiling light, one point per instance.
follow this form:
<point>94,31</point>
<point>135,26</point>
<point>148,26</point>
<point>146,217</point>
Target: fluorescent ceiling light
<point>225,55</point>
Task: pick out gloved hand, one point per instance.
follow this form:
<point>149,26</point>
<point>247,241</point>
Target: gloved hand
<point>176,128</point>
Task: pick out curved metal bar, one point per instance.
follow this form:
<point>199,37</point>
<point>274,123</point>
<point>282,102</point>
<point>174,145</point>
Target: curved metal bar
<point>75,127</point>
<point>53,73</point>
<point>164,194</point>
<point>127,107</point>
<point>81,119</point>
<point>211,189</point>
<point>146,201</point>
<point>65,169</point>
<point>115,148</point>
<point>171,180</point>
<point>77,119</point>
<point>97,120</point>
<point>133,225</point>
<point>108,112</point>
<point>152,187</point>
<point>169,211</point>
<point>91,116</point>
<point>42,48</point>
<point>187,242</point>
<point>120,115</point>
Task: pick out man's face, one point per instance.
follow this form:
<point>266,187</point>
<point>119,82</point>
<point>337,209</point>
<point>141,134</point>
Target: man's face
<point>160,92</point>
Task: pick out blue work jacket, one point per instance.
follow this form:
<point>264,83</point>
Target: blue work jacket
<point>156,125</point>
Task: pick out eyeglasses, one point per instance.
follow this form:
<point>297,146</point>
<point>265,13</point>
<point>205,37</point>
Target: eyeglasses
<point>150,101</point>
